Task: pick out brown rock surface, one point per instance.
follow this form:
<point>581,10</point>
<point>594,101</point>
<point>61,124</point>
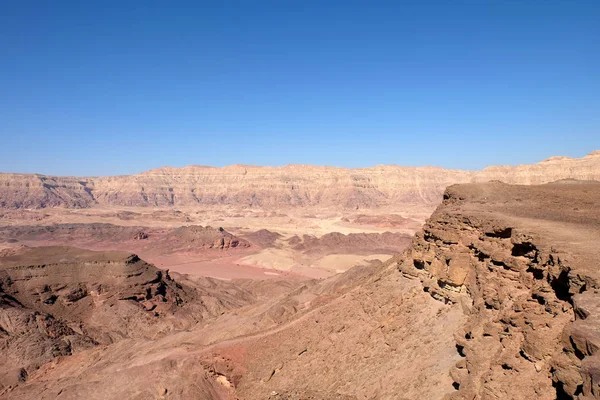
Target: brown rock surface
<point>388,221</point>
<point>365,243</point>
<point>165,240</point>
<point>264,238</point>
<point>523,264</point>
<point>368,333</point>
<point>58,301</point>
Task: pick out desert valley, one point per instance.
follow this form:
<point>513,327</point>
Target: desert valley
<point>303,282</point>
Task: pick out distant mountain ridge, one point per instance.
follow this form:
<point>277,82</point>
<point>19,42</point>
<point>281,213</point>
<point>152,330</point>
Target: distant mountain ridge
<point>276,187</point>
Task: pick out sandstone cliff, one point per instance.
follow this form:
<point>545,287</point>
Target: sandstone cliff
<point>523,264</point>
<point>270,187</point>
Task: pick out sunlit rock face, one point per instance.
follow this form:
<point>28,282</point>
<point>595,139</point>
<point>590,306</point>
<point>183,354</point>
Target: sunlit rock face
<point>276,187</point>
<point>522,262</point>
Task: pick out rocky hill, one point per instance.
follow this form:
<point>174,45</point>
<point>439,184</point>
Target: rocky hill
<point>276,187</point>
<point>59,301</point>
<point>338,243</point>
<point>523,264</point>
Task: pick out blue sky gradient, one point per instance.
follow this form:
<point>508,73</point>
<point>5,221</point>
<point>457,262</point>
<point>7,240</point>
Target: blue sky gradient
<point>118,87</point>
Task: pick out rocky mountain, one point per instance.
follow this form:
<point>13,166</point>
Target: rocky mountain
<point>270,187</point>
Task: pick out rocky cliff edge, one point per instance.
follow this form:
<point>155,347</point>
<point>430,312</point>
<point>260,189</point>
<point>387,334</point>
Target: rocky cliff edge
<point>523,264</point>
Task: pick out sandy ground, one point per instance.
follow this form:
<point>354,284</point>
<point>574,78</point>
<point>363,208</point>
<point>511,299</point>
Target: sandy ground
<point>256,263</point>
<point>289,260</point>
<point>228,267</point>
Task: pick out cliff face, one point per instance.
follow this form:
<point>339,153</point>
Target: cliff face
<point>269,187</point>
<point>523,264</point>
<point>38,191</point>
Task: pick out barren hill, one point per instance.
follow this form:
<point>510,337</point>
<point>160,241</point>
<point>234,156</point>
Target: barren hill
<point>271,187</point>
<point>59,301</point>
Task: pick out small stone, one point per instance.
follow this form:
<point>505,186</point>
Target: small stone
<point>224,381</point>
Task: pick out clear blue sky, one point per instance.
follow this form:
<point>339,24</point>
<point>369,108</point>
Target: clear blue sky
<point>118,87</point>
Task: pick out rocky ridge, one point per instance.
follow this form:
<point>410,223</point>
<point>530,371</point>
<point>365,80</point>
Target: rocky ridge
<point>167,240</point>
<point>338,243</point>
<point>59,301</point>
<point>276,187</point>
<point>523,265</point>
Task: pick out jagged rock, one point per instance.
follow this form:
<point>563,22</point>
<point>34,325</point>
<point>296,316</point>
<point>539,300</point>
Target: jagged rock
<point>140,236</point>
<point>534,308</point>
<point>58,301</point>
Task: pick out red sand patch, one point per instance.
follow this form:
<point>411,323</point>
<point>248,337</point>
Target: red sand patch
<point>221,264</point>
<point>221,268</point>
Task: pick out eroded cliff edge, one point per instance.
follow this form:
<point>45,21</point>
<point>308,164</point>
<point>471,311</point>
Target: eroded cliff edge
<point>523,264</point>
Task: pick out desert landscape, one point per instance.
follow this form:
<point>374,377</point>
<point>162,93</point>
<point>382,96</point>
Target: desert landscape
<point>302,282</point>
<point>300,200</point>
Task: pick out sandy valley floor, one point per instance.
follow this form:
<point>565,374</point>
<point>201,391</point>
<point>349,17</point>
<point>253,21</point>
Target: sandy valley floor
<point>277,247</point>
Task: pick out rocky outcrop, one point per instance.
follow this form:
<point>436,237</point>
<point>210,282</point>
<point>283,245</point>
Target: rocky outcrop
<point>523,264</point>
<point>274,187</point>
<point>264,238</point>
<point>40,191</point>
<point>58,301</point>
<point>206,237</point>
<point>386,221</point>
<point>354,243</point>
<point>140,235</point>
<point>190,237</point>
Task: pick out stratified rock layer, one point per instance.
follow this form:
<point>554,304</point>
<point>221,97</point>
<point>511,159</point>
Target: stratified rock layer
<point>166,240</point>
<point>59,301</point>
<point>275,187</point>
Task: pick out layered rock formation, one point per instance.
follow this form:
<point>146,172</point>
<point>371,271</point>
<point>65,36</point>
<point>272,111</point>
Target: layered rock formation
<point>275,187</point>
<point>59,301</point>
<point>191,237</point>
<point>523,264</point>
<point>39,191</point>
